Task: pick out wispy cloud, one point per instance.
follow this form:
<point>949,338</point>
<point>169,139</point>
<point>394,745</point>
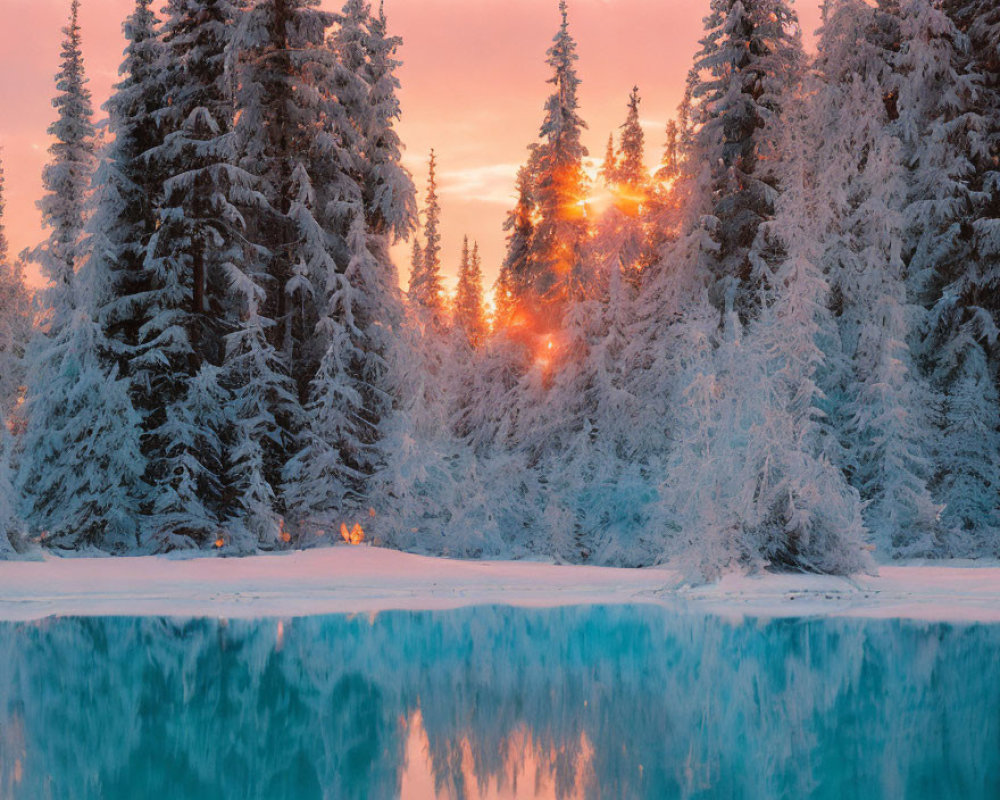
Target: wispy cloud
<point>491,183</point>
<point>658,124</point>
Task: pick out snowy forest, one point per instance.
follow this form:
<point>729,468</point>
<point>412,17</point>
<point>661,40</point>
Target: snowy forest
<point>778,347</point>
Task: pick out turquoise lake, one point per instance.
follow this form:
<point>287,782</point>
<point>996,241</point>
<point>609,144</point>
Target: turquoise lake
<point>585,702</point>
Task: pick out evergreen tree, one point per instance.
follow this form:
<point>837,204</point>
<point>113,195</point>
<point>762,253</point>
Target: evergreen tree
<point>631,154</point>
<point>425,284</point>
<point>191,308</point>
<point>11,527</point>
<point>15,324</point>
<point>758,455</point>
<point>15,333</point>
<point>670,163</point>
<point>609,167</point>
<point>470,316</point>
<point>514,282</point>
<point>352,397</point>
<point>751,53</point>
<point>388,193</point>
<point>263,409</point>
<point>125,221</point>
<point>67,177</point>
<point>582,440</point>
<point>81,473</point>
<point>288,133</point>
<point>127,194</point>
<point>559,189</point>
<point>82,468</point>
<point>289,137</point>
<point>941,126</point>
<point>416,256</point>
<point>882,401</point>
<point>622,238</point>
<point>187,506</point>
<point>664,214</point>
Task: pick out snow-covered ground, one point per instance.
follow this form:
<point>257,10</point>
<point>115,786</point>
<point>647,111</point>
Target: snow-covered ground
<point>365,580</point>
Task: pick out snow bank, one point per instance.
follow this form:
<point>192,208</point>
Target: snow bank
<point>366,580</point>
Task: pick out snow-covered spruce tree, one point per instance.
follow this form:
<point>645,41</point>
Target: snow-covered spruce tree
<point>610,163</point>
<point>126,196</point>
<point>942,124</point>
<point>15,333</point>
<point>190,306</point>
<point>187,506</point>
<point>352,398</point>
<point>349,399</point>
<point>11,527</point>
<point>751,52</point>
<point>127,193</point>
<point>470,315</point>
<point>425,289</point>
<point>81,466</point>
<point>15,322</point>
<point>514,282</point>
<point>387,187</point>
<point>631,170</point>
<point>663,214</point>
<point>287,137</point>
<point>980,20</point>
<point>577,437</point>
<point>669,167</point>
<point>15,327</point>
<point>723,186</point>
<point>352,414</point>
<point>881,404</point>
<point>67,176</point>
<point>80,473</point>
<point>463,268</point>
<point>416,256</point>
<point>430,344</point>
<point>264,412</point>
<point>756,453</point>
<point>559,189</point>
<point>582,438</point>
<point>621,239</point>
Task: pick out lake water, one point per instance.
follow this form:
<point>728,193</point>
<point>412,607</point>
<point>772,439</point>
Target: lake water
<point>602,702</point>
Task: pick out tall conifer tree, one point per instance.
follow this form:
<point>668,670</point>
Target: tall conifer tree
<point>470,316</point>
<point>425,284</point>
<point>287,138</point>
<point>82,474</point>
<point>752,51</point>
<point>559,187</point>
<point>15,322</point>
<point>514,282</point>
<point>192,308</point>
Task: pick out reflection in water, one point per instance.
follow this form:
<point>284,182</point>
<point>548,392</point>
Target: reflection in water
<point>613,702</point>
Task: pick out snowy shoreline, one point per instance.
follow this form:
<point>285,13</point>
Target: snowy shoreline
<point>369,580</point>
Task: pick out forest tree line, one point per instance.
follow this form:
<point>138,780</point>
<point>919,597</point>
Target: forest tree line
<point>776,347</point>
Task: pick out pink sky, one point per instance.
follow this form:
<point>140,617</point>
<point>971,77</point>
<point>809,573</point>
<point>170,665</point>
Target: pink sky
<point>473,88</point>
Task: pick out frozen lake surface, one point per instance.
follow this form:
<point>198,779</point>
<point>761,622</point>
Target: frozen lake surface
<point>623,701</point>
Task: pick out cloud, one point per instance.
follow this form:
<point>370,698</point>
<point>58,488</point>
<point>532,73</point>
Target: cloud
<point>657,124</point>
<point>491,183</point>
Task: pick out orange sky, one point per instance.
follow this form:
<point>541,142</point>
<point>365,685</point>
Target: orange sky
<point>473,88</point>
